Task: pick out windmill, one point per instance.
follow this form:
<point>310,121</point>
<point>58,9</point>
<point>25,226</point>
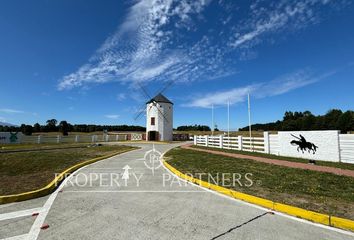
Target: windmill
<point>159,114</point>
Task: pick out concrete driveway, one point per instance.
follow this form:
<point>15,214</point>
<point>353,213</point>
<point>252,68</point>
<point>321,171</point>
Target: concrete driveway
<point>130,196</point>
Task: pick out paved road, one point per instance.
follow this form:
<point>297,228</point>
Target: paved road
<point>103,201</point>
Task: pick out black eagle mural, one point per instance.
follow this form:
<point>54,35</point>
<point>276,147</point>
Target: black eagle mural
<point>303,145</point>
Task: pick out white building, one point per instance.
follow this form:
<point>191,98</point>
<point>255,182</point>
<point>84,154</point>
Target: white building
<point>159,119</point>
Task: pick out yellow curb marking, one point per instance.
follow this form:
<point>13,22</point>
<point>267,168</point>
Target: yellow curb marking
<point>53,184</point>
<point>315,217</point>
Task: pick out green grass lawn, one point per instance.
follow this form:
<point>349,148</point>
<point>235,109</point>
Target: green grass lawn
<point>291,159</point>
<point>25,171</point>
<point>35,146</point>
<point>320,192</point>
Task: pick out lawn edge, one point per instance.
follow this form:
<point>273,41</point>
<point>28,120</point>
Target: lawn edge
<point>315,217</point>
<point>49,188</point>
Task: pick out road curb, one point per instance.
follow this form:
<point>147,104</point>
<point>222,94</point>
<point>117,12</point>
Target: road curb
<point>315,217</point>
<point>53,184</point>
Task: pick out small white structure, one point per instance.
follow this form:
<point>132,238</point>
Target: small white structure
<point>159,119</point>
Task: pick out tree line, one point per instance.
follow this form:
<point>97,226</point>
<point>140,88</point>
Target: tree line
<point>64,127</point>
<point>193,128</point>
<point>334,119</point>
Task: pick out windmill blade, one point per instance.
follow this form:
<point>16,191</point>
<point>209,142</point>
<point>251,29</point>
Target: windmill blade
<point>138,116</point>
<point>143,89</point>
<point>140,112</point>
<point>163,115</point>
<point>164,88</point>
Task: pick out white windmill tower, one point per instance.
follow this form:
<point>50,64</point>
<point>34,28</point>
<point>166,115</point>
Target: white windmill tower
<point>159,119</point>
<point>159,116</point>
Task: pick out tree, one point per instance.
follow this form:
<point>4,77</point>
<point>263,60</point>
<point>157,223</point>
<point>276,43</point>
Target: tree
<point>194,127</point>
<point>308,121</point>
<point>345,121</point>
<point>36,127</point>
<point>64,128</point>
<point>26,129</point>
<point>288,115</point>
<point>331,118</point>
<point>334,119</point>
<point>51,125</point>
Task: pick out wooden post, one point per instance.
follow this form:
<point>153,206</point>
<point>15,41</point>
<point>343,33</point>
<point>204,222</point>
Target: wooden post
<point>239,143</point>
<point>266,142</point>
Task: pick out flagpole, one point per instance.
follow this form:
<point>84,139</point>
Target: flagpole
<point>228,118</point>
<point>212,119</point>
<point>249,121</point>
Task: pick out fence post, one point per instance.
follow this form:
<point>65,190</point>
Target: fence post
<point>221,141</point>
<point>239,143</point>
<point>266,142</point>
<point>117,137</point>
<point>339,153</point>
<point>77,138</point>
<point>39,139</point>
<point>206,140</point>
<point>58,138</point>
<point>195,139</point>
<point>93,138</point>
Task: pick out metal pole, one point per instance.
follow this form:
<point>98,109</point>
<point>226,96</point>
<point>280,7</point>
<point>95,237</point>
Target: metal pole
<point>212,119</point>
<point>249,121</point>
<point>228,118</point>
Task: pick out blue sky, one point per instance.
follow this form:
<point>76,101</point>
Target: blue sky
<point>83,61</point>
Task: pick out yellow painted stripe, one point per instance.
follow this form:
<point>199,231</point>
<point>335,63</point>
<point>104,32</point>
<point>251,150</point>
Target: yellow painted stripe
<point>302,213</point>
<point>53,184</point>
<point>342,223</point>
<point>324,219</point>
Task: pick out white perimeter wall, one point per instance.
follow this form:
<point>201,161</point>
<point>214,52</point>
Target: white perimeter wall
<point>5,137</point>
<point>332,146</point>
<point>327,142</point>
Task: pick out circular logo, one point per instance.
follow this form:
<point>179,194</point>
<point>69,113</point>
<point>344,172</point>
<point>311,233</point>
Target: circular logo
<point>152,159</point>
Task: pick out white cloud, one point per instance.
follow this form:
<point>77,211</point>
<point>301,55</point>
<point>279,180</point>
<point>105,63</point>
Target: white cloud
<point>8,110</point>
<point>234,95</point>
<point>121,96</point>
<point>285,15</point>
<point>112,116</point>
<point>136,51</point>
<point>275,87</point>
<point>2,119</point>
<point>154,41</point>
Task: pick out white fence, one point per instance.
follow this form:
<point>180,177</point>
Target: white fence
<point>254,144</point>
<point>74,138</point>
<point>271,144</point>
<point>346,147</point>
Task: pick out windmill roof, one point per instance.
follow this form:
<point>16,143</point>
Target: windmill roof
<point>159,98</point>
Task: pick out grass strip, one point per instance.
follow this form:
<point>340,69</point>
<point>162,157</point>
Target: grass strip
<point>271,156</point>
<point>320,192</point>
<point>27,171</point>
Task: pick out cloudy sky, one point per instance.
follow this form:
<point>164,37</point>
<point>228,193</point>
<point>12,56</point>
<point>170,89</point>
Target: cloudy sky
<point>88,61</point>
